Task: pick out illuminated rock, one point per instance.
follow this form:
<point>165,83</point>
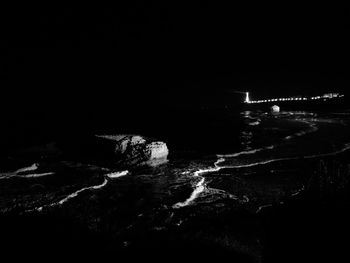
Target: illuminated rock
<point>133,149</point>
<point>157,150</point>
<point>275,109</point>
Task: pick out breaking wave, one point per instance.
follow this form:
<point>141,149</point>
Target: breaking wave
<point>117,174</point>
<point>94,187</point>
<point>35,175</point>
<point>201,185</point>
<point>75,194</point>
<point>33,167</point>
<point>22,172</point>
<point>231,155</point>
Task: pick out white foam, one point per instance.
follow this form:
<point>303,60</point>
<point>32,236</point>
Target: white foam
<point>262,207</point>
<point>347,147</point>
<point>7,175</point>
<point>81,190</point>
<point>117,174</point>
<point>35,175</point>
<point>220,160</point>
<point>200,186</point>
<point>20,173</point>
<point>33,167</point>
<point>75,194</point>
<point>238,154</point>
<point>254,123</point>
<point>245,152</point>
<point>298,191</point>
<point>262,162</point>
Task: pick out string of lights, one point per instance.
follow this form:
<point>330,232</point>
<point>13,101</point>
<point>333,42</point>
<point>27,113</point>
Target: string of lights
<point>325,97</point>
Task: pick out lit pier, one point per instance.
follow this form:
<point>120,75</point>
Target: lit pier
<point>323,97</point>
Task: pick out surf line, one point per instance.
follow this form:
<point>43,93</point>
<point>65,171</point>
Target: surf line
<point>201,185</point>
<point>35,175</point>
<point>312,128</point>
<point>345,148</point>
<point>33,167</point>
<point>245,152</point>
<point>6,175</point>
<point>76,193</point>
<point>21,173</point>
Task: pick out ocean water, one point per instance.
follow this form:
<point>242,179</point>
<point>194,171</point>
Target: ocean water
<point>222,172</point>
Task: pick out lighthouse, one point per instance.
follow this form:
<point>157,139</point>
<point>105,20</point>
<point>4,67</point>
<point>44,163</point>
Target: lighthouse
<point>247,100</point>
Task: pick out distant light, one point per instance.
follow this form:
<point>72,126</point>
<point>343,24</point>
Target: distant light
<point>324,97</point>
<point>247,100</point>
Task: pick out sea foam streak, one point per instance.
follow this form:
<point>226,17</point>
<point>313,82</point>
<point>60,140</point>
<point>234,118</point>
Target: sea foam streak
<point>298,191</point>
<point>33,167</point>
<point>117,174</point>
<point>21,173</point>
<point>245,152</point>
<point>35,175</point>
<point>75,194</point>
<point>346,147</point>
<point>262,207</point>
<point>200,186</point>
<point>94,187</point>
<point>81,190</point>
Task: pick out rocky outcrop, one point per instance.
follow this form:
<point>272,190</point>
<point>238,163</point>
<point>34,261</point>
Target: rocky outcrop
<point>133,149</point>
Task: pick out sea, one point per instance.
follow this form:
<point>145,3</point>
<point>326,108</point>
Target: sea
<point>225,169</point>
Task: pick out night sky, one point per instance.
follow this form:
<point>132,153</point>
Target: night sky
<point>85,58</point>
